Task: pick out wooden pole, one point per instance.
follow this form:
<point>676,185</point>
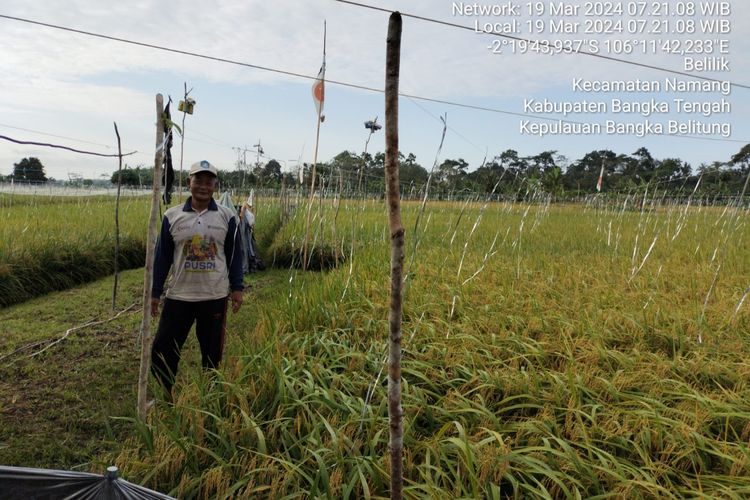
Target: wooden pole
<point>321,194</point>
<point>300,174</point>
<point>315,163</point>
<point>337,205</point>
<point>312,198</point>
<point>284,208</point>
<point>149,269</point>
<point>182,144</point>
<point>395,411</point>
<point>364,160</point>
<point>117,218</point>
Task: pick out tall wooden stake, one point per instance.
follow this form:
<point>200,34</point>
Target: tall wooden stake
<point>395,411</point>
<point>311,200</point>
<point>284,207</point>
<point>315,162</point>
<point>364,159</point>
<point>117,218</point>
<point>182,144</point>
<point>337,205</point>
<point>149,269</point>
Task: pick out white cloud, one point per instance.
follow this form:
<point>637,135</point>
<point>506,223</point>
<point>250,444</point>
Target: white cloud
<point>76,85</point>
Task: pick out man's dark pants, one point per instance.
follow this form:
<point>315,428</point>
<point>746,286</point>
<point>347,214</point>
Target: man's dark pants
<point>177,317</point>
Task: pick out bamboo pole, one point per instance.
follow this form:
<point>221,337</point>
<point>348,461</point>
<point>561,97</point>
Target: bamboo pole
<point>300,178</point>
<point>321,194</point>
<point>395,411</point>
<point>362,165</point>
<point>117,218</point>
<point>149,269</point>
<point>283,199</point>
<point>311,200</point>
<point>182,144</point>
<point>337,205</point>
<point>315,163</point>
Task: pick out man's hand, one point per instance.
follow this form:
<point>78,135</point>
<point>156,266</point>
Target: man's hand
<point>237,298</point>
<point>155,306</point>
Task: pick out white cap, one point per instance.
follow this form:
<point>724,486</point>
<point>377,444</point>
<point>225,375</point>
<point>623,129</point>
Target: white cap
<point>203,166</point>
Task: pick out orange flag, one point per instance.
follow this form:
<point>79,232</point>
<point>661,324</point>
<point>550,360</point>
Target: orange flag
<point>319,91</point>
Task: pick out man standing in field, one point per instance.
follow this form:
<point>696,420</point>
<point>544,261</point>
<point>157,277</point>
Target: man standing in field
<point>199,241</point>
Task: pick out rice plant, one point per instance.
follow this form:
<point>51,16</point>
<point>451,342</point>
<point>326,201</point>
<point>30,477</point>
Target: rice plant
<point>54,243</point>
<point>531,366</point>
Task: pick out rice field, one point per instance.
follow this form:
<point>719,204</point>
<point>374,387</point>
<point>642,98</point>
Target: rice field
<point>550,351</point>
<point>52,243</point>
<point>55,242</point>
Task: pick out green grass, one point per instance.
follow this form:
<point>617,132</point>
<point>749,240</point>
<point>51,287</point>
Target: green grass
<point>55,407</point>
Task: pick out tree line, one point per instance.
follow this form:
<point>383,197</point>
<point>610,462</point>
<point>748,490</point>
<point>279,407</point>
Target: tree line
<point>509,172</point>
<point>505,173</point>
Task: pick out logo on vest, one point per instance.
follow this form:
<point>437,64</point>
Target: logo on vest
<point>200,254</point>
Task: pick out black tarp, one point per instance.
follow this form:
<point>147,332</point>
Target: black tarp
<point>21,483</point>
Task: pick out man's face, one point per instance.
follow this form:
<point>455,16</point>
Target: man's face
<point>202,186</point>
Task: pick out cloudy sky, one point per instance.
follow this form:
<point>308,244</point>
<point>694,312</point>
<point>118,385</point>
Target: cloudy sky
<point>68,88</point>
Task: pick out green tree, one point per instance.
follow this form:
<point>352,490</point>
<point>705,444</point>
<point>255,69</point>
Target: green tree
<point>671,169</point>
<point>645,165</point>
<point>237,179</point>
<point>410,171</point>
<point>541,163</point>
<point>488,175</point>
<point>743,158</point>
<point>271,173</point>
<point>716,178</point>
<point>136,177</point>
<point>451,172</point>
<point>346,161</point>
<point>583,174</point>
<point>552,180</point>
<point>374,173</point>
<point>516,168</point>
<point>348,164</point>
<point>510,160</point>
<point>29,170</point>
